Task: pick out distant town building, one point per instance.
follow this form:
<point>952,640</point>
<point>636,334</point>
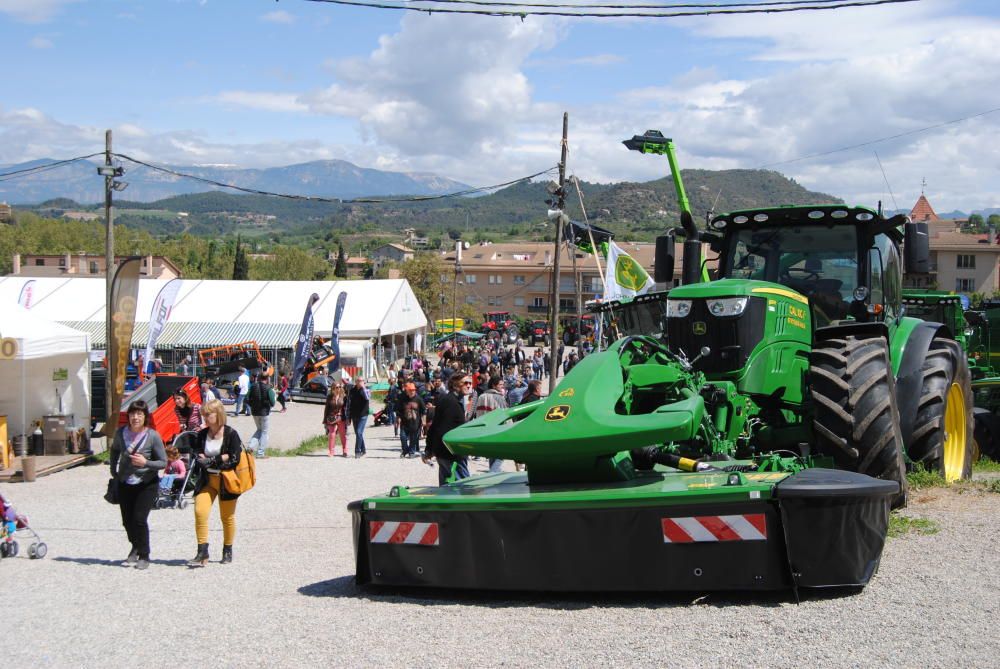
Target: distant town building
<point>6,215</point>
<point>410,237</point>
<point>960,262</point>
<point>517,276</point>
<point>82,264</point>
<point>82,215</point>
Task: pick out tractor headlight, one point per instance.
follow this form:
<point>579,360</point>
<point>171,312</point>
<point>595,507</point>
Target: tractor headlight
<point>678,308</point>
<point>727,306</point>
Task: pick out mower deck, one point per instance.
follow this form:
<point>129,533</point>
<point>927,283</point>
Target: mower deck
<point>666,530</point>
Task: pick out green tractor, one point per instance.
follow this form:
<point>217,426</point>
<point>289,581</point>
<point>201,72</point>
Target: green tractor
<point>759,448</point>
<point>983,333</point>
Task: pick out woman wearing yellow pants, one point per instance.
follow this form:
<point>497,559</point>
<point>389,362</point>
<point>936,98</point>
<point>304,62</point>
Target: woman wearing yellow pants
<point>217,448</point>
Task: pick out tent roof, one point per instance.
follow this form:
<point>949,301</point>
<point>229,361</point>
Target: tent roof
<point>216,312</point>
<point>37,337</point>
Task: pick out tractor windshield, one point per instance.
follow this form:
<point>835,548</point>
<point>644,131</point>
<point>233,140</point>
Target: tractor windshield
<point>820,262</point>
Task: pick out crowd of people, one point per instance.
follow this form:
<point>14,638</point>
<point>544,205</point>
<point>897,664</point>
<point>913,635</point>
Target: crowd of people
<point>424,401</point>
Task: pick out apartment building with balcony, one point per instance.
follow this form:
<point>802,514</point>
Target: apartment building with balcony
<point>83,264</point>
<point>517,276</point>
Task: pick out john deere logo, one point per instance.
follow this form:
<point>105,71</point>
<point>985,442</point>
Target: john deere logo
<point>629,274</point>
<point>569,392</point>
<point>699,327</point>
<point>558,412</point>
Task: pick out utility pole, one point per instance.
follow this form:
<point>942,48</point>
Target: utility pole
<point>109,269</point>
<point>554,361</point>
<point>454,289</point>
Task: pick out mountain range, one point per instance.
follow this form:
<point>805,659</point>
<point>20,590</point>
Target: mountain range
<point>323,178</point>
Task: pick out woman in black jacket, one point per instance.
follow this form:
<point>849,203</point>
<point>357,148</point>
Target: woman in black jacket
<point>217,448</point>
<point>450,411</point>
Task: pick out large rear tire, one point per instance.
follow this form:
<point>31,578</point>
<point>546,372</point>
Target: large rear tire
<point>943,431</point>
<point>854,408</point>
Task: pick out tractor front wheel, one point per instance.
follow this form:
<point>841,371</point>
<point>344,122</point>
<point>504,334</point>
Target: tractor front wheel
<point>854,408</point>
<point>943,430</point>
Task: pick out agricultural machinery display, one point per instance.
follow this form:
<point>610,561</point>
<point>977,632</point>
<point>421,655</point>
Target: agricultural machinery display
<point>500,325</point>
<point>753,437</point>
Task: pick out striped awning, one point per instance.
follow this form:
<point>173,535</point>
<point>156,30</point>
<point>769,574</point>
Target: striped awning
<point>202,334</point>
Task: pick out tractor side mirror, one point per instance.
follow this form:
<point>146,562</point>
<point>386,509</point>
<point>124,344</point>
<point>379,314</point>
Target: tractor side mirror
<point>714,241</point>
<point>916,248</point>
<point>663,262</point>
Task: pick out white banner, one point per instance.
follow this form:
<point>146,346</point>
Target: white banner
<point>27,294</point>
<point>162,305</point>
<point>624,277</point>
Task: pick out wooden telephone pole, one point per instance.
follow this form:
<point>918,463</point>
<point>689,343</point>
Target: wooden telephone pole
<point>554,361</point>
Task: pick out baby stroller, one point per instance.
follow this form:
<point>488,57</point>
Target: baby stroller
<point>175,493</point>
<point>381,417</point>
<point>13,524</point>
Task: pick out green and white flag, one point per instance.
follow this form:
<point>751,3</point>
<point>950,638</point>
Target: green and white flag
<point>624,276</point>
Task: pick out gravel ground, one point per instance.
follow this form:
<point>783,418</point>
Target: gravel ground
<point>289,597</point>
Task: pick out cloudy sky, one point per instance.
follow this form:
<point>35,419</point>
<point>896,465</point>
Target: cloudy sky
<point>257,83</point>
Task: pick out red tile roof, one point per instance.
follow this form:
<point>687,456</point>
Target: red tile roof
<point>923,211</point>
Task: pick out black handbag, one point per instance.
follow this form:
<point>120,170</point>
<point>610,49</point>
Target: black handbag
<point>111,496</point>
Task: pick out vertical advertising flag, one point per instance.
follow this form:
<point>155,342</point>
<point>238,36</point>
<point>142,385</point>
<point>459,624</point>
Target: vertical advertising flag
<point>335,339</point>
<point>162,305</point>
<point>304,345</point>
<point>27,295</point>
<point>124,294</point>
<point>624,276</point>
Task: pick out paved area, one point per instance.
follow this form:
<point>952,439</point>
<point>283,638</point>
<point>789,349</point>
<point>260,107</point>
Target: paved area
<point>289,599</point>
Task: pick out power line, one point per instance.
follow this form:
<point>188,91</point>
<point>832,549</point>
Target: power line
<point>587,14</point>
<point>316,198</point>
<point>496,3</point>
<point>28,171</point>
<point>881,139</point>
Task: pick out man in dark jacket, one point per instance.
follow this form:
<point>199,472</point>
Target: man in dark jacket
<point>261,399</point>
<point>534,392</point>
<point>409,418</point>
<point>449,413</point>
<point>357,410</point>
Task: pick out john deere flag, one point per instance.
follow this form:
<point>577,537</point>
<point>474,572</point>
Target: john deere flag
<point>624,276</point>
<point>124,293</point>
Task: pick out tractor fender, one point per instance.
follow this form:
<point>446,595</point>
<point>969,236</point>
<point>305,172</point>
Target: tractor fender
<point>915,343</point>
<point>855,329</point>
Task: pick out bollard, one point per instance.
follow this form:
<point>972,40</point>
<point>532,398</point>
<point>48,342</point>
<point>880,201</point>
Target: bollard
<point>28,469</point>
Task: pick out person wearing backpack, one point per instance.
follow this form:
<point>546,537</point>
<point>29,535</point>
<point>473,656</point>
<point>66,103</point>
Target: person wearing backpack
<point>261,399</point>
<point>218,448</point>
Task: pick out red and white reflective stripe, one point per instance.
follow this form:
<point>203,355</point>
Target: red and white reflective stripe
<point>745,527</point>
<point>397,532</point>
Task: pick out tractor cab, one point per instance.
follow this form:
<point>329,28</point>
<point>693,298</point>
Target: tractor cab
<point>845,261</point>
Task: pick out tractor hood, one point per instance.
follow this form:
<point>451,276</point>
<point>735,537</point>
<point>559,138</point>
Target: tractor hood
<point>735,288</point>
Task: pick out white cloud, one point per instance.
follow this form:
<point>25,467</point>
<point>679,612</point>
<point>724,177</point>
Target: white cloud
<point>33,11</point>
<point>39,42</point>
<point>596,60</point>
<point>280,16</point>
<point>461,98</point>
<point>265,101</point>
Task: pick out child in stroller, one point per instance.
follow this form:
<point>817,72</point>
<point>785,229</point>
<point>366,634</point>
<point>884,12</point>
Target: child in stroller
<point>176,486</point>
<point>13,523</point>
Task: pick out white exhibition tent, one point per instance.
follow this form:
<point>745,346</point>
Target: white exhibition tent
<point>44,369</point>
<point>214,313</point>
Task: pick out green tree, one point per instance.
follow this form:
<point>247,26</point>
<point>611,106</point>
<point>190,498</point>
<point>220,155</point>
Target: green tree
<point>241,265</point>
<point>994,222</point>
<point>423,273</point>
<point>290,264</point>
<point>976,223</point>
<point>340,267</point>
